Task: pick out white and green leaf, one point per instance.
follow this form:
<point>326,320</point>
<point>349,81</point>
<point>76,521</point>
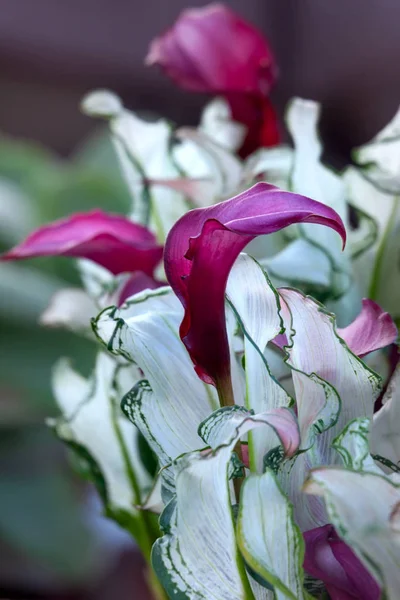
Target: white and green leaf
<point>353,446</point>
<point>228,422</point>
<point>272,164</point>
<point>268,537</point>
<point>144,151</point>
<point>216,122</point>
<point>380,157</point>
<point>364,509</point>
<point>198,558</point>
<point>385,435</point>
<point>311,178</point>
<point>332,387</point>
<point>224,169</point>
<point>91,419</point>
<point>256,305</point>
<point>69,308</point>
<point>317,349</point>
<point>170,405</point>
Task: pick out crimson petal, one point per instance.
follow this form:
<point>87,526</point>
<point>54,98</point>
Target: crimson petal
<point>136,283</point>
<point>329,559</point>
<point>256,112</point>
<point>201,249</point>
<point>112,241</point>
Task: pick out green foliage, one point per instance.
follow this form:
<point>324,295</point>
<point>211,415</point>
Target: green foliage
<point>40,513</point>
<point>39,510</point>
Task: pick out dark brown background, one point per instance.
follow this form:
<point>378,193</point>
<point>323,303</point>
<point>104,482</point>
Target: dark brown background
<point>344,53</point>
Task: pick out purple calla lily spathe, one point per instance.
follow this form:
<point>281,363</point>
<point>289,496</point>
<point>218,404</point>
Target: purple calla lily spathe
<point>111,241</point>
<point>200,251</point>
<point>198,55</point>
<point>332,561</point>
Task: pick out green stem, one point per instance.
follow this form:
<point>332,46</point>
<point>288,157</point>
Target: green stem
<point>374,285</point>
<point>145,539</point>
<point>144,535</point>
<point>226,398</point>
<point>157,591</point>
<point>225,390</point>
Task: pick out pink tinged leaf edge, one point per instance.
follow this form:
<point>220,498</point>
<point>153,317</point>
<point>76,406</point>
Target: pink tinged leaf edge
<point>282,420</point>
<point>201,249</point>
<point>112,241</point>
<point>371,330</point>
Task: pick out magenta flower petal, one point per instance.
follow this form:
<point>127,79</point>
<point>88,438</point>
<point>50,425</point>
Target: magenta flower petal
<point>329,559</point>
<point>201,249</point>
<point>198,53</point>
<point>112,241</point>
<point>371,330</point>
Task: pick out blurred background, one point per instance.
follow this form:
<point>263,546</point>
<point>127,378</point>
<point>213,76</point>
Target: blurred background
<point>53,540</point>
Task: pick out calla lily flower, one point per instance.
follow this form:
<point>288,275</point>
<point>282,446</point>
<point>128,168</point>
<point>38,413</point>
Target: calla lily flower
<point>111,241</point>
<point>196,52</point>
<point>201,249</point>
<point>330,560</point>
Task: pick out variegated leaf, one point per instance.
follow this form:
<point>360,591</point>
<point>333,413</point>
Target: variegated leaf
<point>256,305</point>
<point>385,434</point>
<point>310,177</point>
<point>353,446</point>
<point>332,387</point>
<point>216,122</point>
<point>143,149</point>
<point>198,557</point>
<point>268,537</point>
<point>226,423</point>
<point>364,508</point>
<point>169,406</point>
<point>91,419</point>
<point>317,349</point>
